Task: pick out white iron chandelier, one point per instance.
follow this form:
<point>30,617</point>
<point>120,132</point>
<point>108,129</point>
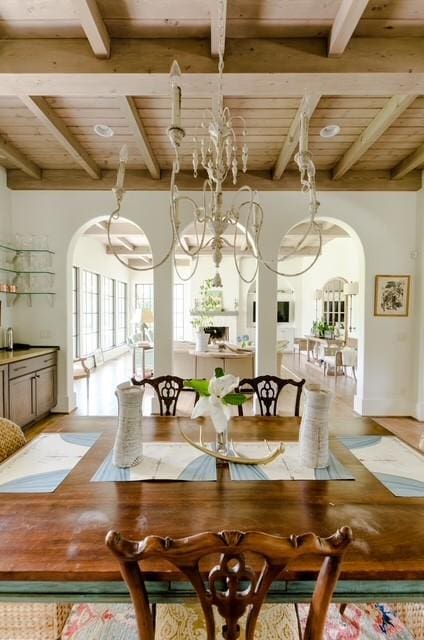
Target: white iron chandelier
<point>217,151</point>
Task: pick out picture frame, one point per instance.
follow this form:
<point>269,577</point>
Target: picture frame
<point>391,298</point>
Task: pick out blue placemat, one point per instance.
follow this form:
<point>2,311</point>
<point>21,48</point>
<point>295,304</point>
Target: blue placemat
<point>399,467</point>
<point>42,464</point>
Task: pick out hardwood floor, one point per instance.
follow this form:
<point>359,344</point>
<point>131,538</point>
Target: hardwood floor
<point>101,398</point>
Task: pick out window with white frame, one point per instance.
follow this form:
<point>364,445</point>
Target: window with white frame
<point>333,302</point>
<point>90,312</point>
<point>121,312</point>
<point>108,313</point>
<point>75,313</point>
<point>178,311</point>
<point>144,296</point>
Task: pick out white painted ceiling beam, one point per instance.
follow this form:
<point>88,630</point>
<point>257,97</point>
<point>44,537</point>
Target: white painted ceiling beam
<point>20,160</point>
<point>94,27</point>
<point>382,121</point>
<point>345,23</point>
<point>141,139</point>
<point>42,110</point>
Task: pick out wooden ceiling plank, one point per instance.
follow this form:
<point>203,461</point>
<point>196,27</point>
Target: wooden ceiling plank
<point>18,159</point>
<point>307,105</point>
<point>94,27</point>
<point>410,163</point>
<point>260,180</point>
<point>389,114</point>
<point>344,25</point>
<point>216,37</point>
<point>41,109</point>
<point>128,107</point>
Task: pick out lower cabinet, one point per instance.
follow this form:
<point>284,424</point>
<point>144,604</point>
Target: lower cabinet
<point>22,402</point>
<point>32,392</point>
<point>4,391</point>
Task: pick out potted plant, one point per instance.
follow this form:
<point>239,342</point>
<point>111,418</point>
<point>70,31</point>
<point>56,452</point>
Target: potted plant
<point>202,314</point>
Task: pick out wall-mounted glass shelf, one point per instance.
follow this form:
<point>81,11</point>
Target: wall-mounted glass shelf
<point>20,272</point>
<point>16,250</point>
<point>12,297</point>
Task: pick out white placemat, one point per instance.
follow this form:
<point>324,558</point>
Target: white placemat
<point>395,464</point>
<point>162,461</point>
<point>42,464</point>
<point>285,467</point>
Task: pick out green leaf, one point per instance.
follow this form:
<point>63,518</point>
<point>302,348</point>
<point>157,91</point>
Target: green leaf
<point>201,386</point>
<point>234,398</point>
<point>219,372</point>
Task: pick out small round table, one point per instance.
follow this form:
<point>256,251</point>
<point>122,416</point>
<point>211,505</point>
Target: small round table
<point>221,355</point>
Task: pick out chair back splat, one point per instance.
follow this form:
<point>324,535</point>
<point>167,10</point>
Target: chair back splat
<point>167,388</point>
<point>267,389</point>
<point>232,585</point>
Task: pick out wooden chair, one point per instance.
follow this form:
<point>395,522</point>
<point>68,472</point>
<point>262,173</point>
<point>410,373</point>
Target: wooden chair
<point>167,388</point>
<point>230,584</point>
<point>267,389</point>
<point>82,369</point>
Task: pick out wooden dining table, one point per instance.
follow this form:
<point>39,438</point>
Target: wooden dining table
<point>52,544</point>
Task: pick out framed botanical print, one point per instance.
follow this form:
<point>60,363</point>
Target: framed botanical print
<point>391,296</point>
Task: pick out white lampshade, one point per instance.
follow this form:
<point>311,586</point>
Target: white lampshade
<point>351,289</point>
<point>147,316</point>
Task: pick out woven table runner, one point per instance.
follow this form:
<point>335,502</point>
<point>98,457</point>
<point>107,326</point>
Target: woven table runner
<point>42,464</point>
<point>399,467</point>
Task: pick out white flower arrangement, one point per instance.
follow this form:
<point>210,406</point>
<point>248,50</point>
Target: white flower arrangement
<point>217,396</point>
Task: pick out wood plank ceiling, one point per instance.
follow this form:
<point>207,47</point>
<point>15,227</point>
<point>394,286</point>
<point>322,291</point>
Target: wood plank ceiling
<point>66,65</point>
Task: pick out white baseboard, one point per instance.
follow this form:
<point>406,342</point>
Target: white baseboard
<point>387,406</point>
<point>65,404</point>
<point>418,413</point>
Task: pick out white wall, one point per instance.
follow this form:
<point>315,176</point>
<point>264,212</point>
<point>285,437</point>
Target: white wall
<point>384,222</point>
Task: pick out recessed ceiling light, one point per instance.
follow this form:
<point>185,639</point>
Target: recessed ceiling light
<point>330,131</point>
<point>103,130</point>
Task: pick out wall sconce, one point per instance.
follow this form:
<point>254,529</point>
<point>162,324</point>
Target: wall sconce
<point>317,296</point>
<point>350,289</point>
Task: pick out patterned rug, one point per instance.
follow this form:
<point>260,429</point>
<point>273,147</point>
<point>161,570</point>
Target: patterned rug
<point>276,622</point>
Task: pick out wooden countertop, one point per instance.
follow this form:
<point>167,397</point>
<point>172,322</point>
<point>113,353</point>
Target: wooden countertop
<point>8,357</point>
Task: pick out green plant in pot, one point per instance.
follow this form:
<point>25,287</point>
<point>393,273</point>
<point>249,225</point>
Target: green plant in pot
<point>203,312</point>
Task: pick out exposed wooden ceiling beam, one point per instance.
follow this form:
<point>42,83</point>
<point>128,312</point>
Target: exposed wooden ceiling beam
<point>410,163</point>
<point>370,67</point>
<point>307,105</point>
<point>63,180</point>
<point>345,23</point>
<point>94,27</point>
<point>42,110</point>
<point>382,121</point>
<point>20,161</point>
<point>129,108</point>
<point>216,36</point>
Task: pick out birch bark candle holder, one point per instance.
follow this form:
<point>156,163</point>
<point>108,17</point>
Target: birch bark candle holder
<point>128,447</point>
